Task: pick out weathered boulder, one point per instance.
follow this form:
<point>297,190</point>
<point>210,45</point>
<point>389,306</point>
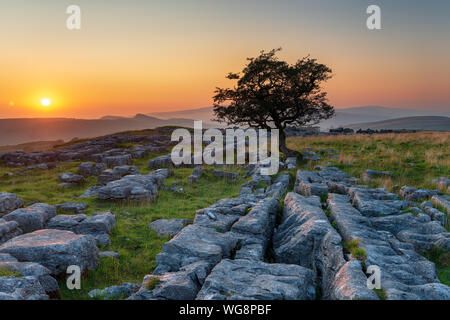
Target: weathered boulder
<point>279,186</point>
<point>91,192</point>
<point>54,249</point>
<point>71,178</point>
<point>222,214</point>
<point>376,202</point>
<point>309,183</point>
<point>116,173</point>
<point>161,162</point>
<point>33,217</point>
<point>405,274</point>
<point>8,230</point>
<point>442,201</point>
<point>171,227</point>
<point>71,207</point>
<point>88,169</point>
<point>119,160</point>
<point>255,229</point>
<point>21,288</point>
<point>9,202</point>
<point>99,225</point>
<point>108,254</point>
<point>373,174</point>
<point>252,280</point>
<point>310,156</point>
<point>291,163</point>
<point>193,244</point>
<point>135,187</point>
<point>350,283</point>
<point>180,285</point>
<point>32,269</point>
<point>225,174</point>
<point>414,194</point>
<point>115,292</point>
<point>434,214</point>
<point>196,174</point>
<point>409,228</point>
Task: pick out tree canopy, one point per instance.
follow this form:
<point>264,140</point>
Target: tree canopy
<point>271,93</point>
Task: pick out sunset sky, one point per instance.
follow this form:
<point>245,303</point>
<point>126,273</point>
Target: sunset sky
<point>147,56</point>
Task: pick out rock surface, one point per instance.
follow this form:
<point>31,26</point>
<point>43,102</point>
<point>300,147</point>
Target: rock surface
<point>99,225</point>
<point>54,249</point>
<point>171,227</point>
<point>135,187</point>
<point>9,202</point>
<point>249,280</point>
<point>32,218</point>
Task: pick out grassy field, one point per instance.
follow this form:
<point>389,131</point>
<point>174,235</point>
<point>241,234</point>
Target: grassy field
<point>415,158</point>
<point>138,246</point>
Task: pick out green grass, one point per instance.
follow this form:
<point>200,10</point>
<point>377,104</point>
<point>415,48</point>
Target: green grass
<point>441,259</point>
<point>352,247</point>
<point>430,151</point>
<point>381,293</point>
<point>152,283</point>
<point>137,245</point>
<point>5,272</point>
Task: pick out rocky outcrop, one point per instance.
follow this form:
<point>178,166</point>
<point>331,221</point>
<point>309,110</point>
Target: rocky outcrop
<point>21,288</point>
<point>225,174</point>
<point>373,174</point>
<point>9,202</point>
<point>54,249</point>
<point>171,227</point>
<point>405,274</point>
<point>118,160</point>
<point>254,280</point>
<point>196,174</point>
<point>8,230</point>
<point>92,150</point>
<point>31,269</point>
<point>32,218</point>
<point>414,194</point>
<point>71,207</point>
<point>442,201</point>
<point>161,162</point>
<point>114,292</point>
<point>376,202</point>
<point>88,169</point>
<point>116,173</point>
<point>99,225</point>
<point>423,235</point>
<point>71,178</point>
<point>135,187</point>
<point>434,214</point>
<point>305,237</point>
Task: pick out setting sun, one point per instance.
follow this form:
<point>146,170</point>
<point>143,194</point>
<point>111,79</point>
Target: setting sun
<point>46,102</point>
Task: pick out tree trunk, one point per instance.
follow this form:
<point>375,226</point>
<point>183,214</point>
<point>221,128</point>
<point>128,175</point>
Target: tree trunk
<point>283,148</point>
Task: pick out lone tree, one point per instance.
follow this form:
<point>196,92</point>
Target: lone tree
<point>274,94</point>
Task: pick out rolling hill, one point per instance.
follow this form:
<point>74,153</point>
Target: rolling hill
<point>17,131</point>
<point>409,123</point>
<point>343,117</point>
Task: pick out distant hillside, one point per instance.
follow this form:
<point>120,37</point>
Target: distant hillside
<point>410,123</point>
<point>343,117</point>
<point>16,131</point>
